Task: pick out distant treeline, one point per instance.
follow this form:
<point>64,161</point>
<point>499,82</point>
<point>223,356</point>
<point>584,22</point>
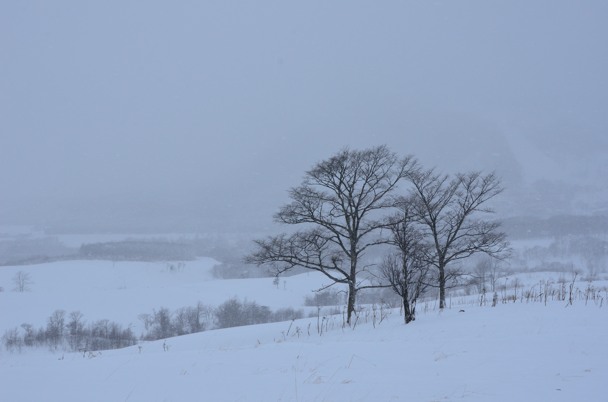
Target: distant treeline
<point>139,250</point>
<point>228,250</point>
<point>23,251</point>
<point>562,225</point>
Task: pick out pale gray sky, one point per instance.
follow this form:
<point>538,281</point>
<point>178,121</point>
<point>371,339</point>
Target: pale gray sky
<point>188,114</point>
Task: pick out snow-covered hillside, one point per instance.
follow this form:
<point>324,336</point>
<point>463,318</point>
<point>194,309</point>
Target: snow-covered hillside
<point>527,350</point>
<point>511,352</point>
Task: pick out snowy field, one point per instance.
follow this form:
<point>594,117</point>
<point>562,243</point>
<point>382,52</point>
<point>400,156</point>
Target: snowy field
<point>525,351</point>
<point>120,291</point>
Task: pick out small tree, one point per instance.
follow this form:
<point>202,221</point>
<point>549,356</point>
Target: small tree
<point>29,334</point>
<point>189,320</point>
<point>233,313</point>
<point>486,272</point>
<point>339,207</point>
<point>100,333</point>
<point>55,328</point>
<point>230,314</point>
<point>447,209</point>
<point>12,340</point>
<point>22,281</point>
<point>162,326</point>
<point>76,330</point>
<point>406,270</point>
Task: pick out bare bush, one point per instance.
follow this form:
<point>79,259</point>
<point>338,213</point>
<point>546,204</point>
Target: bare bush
<point>234,313</point>
<point>189,320</point>
<point>75,335</point>
<point>12,340</point>
<point>76,330</point>
<point>163,323</point>
<point>287,314</point>
<point>55,328</point>
<point>162,326</point>
<point>323,298</point>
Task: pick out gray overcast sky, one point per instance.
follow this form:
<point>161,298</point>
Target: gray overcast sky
<point>187,114</point>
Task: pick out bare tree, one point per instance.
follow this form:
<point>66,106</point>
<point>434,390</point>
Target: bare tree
<point>486,271</point>
<point>339,205</point>
<point>55,328</point>
<point>448,208</point>
<point>22,281</point>
<point>76,330</point>
<point>406,271</point>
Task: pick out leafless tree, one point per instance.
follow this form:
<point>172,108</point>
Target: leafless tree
<point>22,281</point>
<point>448,209</point>
<point>339,205</point>
<point>55,328</point>
<point>486,271</point>
<point>76,330</point>
<point>406,270</point>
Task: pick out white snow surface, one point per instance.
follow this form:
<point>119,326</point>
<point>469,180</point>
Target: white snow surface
<point>121,290</point>
<point>517,351</point>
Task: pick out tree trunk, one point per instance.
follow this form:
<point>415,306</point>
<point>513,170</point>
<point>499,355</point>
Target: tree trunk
<point>352,296</point>
<point>352,282</point>
<point>442,287</point>
<point>408,311</point>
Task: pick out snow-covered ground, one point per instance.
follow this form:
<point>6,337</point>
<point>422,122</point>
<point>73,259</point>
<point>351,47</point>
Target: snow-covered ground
<point>120,291</point>
<point>515,351</point>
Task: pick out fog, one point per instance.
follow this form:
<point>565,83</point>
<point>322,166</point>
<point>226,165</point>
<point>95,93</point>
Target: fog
<point>198,116</point>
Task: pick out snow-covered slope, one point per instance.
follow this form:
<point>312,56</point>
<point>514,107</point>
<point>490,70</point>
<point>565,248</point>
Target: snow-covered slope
<point>526,352</point>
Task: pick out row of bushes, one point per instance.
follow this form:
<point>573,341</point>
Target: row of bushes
<point>70,332</point>
<point>163,323</point>
<point>234,313</point>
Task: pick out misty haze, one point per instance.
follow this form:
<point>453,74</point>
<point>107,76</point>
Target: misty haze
<point>170,171</point>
